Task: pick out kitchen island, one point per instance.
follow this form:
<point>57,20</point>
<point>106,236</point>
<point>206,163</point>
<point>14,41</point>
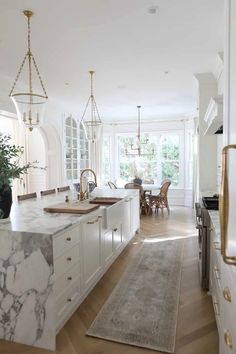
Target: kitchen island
<point>49,262</point>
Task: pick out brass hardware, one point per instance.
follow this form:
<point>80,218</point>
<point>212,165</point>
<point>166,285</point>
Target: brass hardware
<point>115,229</point>
<point>224,206</point>
<point>66,199</point>
<point>69,259</point>
<point>68,239</point>
<point>82,195</point>
<point>69,300</point>
<point>227,294</point>
<point>69,278</point>
<point>92,222</point>
<point>228,339</point>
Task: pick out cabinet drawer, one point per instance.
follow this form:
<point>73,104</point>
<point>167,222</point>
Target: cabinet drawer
<point>65,241</point>
<point>114,213</point>
<point>67,301</point>
<point>66,261</point>
<point>65,280</point>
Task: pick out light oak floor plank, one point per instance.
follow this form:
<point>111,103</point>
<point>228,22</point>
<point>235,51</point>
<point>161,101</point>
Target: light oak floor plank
<point>196,329</point>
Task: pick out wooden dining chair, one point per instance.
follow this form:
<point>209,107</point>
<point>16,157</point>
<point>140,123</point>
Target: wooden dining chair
<point>111,185</point>
<point>63,189</point>
<point>160,201</point>
<point>144,198</point>
<point>48,191</point>
<point>26,196</point>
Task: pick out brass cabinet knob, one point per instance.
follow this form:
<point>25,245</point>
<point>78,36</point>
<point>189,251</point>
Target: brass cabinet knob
<point>69,299</point>
<point>115,229</point>
<point>227,294</point>
<point>68,239</point>
<point>69,278</point>
<point>228,339</point>
<point>69,259</point>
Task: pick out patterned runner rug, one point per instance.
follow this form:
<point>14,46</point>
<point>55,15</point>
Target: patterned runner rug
<point>142,310</point>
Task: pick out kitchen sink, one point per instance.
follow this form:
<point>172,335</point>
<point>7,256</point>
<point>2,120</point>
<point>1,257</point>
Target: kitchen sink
<point>105,200</point>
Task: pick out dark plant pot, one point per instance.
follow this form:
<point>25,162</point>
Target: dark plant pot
<point>5,202</point>
<point>137,180</point>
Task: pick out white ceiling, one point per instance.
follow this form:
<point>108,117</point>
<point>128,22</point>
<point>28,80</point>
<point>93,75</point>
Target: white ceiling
<point>138,58</point>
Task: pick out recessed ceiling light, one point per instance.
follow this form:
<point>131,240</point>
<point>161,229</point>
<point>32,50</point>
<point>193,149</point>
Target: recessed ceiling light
<point>153,10</point>
<point>66,83</point>
<point>166,72</point>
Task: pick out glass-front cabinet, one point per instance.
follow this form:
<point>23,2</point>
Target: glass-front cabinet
<point>76,150</point>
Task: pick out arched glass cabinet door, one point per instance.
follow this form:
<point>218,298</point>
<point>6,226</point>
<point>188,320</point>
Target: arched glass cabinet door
<point>84,149</point>
<point>71,149</point>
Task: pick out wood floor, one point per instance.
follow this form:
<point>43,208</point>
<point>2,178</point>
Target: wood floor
<point>196,330</point>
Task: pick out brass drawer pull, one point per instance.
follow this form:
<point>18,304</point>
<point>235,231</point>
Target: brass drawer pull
<point>69,299</point>
<point>227,294</point>
<point>69,278</point>
<point>228,339</point>
<point>69,259</point>
<point>68,239</point>
<point>93,222</point>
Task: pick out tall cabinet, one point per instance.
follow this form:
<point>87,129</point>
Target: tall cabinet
<point>228,195</point>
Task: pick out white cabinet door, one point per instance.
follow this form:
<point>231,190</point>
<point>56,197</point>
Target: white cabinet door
<point>134,215</point>
<point>92,260</point>
<point>127,234</point>
<point>117,237</point>
<point>108,246</point>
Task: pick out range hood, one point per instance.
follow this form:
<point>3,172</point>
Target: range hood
<point>214,116</point>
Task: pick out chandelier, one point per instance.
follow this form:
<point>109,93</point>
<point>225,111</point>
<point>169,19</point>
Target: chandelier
<point>29,105</point>
<point>93,125</point>
<point>136,149</point>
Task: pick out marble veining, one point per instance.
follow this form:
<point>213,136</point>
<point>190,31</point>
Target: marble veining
<point>26,280</point>
<point>26,268</point>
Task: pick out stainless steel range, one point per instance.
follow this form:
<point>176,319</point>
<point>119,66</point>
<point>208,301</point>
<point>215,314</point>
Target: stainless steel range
<point>203,226</point>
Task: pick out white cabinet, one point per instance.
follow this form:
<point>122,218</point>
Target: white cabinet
<point>223,291</point>
<point>92,249</point>
<point>108,246</point>
<point>134,215</point>
<point>67,271</point>
<point>117,237</point>
<point>127,233</point>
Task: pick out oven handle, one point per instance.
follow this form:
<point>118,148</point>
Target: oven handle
<point>224,205</point>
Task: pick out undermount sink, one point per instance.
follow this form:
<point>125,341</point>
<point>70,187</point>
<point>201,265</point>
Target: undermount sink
<point>105,200</point>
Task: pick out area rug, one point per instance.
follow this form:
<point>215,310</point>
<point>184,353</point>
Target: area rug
<point>142,310</point>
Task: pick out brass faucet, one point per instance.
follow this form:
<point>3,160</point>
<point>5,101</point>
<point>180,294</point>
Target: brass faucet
<point>82,195</point>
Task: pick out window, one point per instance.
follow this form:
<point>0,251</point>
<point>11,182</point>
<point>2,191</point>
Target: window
<point>169,145</point>
<point>160,158</point>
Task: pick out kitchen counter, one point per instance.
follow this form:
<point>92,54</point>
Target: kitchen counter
<point>36,248</point>
<point>29,216</point>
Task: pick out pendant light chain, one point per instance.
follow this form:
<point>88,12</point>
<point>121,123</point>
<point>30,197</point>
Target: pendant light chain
<point>30,56</point>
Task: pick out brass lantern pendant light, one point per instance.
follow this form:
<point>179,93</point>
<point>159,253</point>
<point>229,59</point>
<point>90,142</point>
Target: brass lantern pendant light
<point>92,124</point>
<point>136,149</point>
<point>29,105</point>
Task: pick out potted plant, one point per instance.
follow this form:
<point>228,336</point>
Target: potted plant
<point>10,168</point>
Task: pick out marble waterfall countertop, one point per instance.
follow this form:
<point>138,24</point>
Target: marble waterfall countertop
<point>29,216</point>
<point>27,300</point>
